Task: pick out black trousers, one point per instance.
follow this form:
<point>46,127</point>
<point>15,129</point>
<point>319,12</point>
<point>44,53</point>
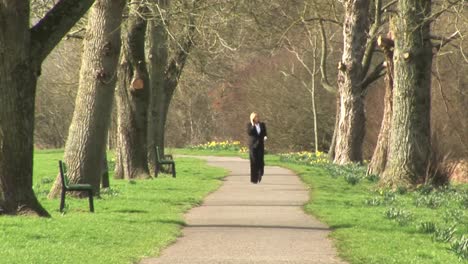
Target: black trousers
<point>257,163</point>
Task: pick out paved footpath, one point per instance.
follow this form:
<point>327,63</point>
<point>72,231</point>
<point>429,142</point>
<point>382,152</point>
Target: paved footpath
<point>251,223</point>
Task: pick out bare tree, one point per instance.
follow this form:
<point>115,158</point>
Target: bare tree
<point>350,130</point>
<point>379,158</point>
<point>165,70</point>
<point>410,129</point>
<point>133,90</point>
<point>312,71</point>
<point>86,142</point>
<point>23,49</point>
<point>55,97</point>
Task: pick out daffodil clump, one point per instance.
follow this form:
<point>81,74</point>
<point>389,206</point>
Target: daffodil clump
<point>221,145</point>
<point>306,157</point>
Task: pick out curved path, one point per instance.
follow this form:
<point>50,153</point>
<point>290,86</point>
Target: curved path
<point>251,223</point>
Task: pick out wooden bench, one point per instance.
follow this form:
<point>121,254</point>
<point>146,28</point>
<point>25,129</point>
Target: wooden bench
<point>67,187</point>
<point>166,161</point>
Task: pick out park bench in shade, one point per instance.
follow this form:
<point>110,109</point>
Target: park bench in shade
<point>167,160</point>
<point>67,187</point>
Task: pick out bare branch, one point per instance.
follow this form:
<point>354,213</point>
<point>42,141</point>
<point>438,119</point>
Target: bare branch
<point>436,15</point>
<point>366,60</point>
<point>77,34</point>
<point>323,60</point>
<point>333,21</point>
<point>376,73</point>
<point>48,32</point>
<point>445,40</point>
<point>385,7</point>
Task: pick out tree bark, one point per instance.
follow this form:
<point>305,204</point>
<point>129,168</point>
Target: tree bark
<point>132,101</point>
<point>379,158</point>
<point>22,51</point>
<point>87,136</point>
<point>410,128</point>
<point>331,151</point>
<point>157,61</point>
<point>105,172</point>
<point>351,119</point>
<point>164,78</point>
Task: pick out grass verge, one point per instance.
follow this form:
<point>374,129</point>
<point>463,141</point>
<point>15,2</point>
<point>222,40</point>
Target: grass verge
<point>133,219</point>
<point>373,225</point>
<point>377,226</point>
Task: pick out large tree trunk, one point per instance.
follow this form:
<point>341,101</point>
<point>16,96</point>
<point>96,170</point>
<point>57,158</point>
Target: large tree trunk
<point>379,158</point>
<point>17,93</point>
<point>87,136</point>
<point>410,128</point>
<point>157,60</point>
<point>132,101</point>
<point>22,51</point>
<point>351,119</point>
<point>164,78</point>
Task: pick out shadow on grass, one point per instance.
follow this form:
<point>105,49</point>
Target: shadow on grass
<point>172,221</point>
<point>131,211</point>
<point>340,226</point>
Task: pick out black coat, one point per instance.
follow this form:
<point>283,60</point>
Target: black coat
<point>256,151</point>
<point>256,140</point>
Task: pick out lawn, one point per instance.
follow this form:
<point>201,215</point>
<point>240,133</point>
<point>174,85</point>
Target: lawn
<point>138,218</point>
<point>374,225</point>
<point>133,219</point>
<point>381,226</point>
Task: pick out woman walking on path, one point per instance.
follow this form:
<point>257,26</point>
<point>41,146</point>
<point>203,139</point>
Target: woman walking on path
<point>257,135</point>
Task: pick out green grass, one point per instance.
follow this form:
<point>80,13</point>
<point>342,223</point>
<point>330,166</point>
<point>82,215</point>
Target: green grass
<point>137,219</point>
<point>362,232</point>
<point>132,219</point>
<point>207,152</point>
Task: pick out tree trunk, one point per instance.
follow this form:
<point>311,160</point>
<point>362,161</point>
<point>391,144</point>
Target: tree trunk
<point>410,128</point>
<point>17,86</point>
<point>379,158</point>
<point>105,172</point>
<point>331,151</point>
<point>158,56</point>
<point>351,119</point>
<point>22,51</point>
<point>87,137</point>
<point>164,78</point>
<point>132,101</point>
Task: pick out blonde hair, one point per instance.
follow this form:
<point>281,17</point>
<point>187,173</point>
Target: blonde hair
<point>252,115</point>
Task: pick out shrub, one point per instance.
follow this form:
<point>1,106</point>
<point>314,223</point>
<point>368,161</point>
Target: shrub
<point>402,190</point>
<point>463,199</point>
<point>223,145</point>
<point>307,158</point>
<point>431,201</point>
<point>352,179</point>
<point>389,197</point>
<point>460,247</point>
<point>427,227</point>
<point>109,191</point>
<point>395,213</point>
<point>444,234</point>
<point>373,178</point>
<point>401,216</point>
<point>425,189</point>
<point>453,216</point>
<point>373,201</point>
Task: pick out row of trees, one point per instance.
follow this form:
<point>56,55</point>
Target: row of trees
<point>146,78</point>
<point>137,51</point>
<point>362,63</point>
